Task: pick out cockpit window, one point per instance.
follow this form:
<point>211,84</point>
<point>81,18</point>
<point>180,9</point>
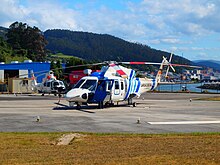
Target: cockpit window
<point>90,85</point>
<point>79,83</point>
<point>55,83</point>
<point>48,84</point>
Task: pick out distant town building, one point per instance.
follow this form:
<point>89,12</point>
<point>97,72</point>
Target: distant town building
<point>196,77</point>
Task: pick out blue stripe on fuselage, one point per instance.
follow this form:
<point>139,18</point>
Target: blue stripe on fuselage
<point>131,74</point>
<point>135,85</point>
<point>129,88</point>
<point>153,85</point>
<point>138,86</point>
<point>132,86</point>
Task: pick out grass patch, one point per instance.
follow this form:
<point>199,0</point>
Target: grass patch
<point>60,55</point>
<point>40,148</point>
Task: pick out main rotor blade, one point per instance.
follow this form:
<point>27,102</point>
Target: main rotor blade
<point>45,71</point>
<point>140,63</point>
<point>101,63</point>
<point>189,66</point>
<point>156,63</point>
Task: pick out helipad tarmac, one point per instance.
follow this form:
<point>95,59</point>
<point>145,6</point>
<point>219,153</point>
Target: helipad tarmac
<point>156,113</point>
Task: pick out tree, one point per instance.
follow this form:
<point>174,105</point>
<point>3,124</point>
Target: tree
<point>5,50</point>
<point>27,41</point>
<point>72,62</point>
<point>57,68</point>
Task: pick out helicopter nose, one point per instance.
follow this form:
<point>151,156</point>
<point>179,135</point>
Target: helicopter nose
<point>71,94</point>
<point>77,95</point>
<point>60,89</point>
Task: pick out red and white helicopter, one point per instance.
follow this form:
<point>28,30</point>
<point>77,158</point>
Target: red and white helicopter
<point>115,83</point>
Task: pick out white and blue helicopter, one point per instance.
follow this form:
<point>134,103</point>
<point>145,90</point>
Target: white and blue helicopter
<point>115,83</point>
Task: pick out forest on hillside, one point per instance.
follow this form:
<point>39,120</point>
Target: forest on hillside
<point>102,47</point>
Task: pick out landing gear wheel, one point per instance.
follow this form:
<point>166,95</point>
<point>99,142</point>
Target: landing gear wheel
<point>134,104</point>
<point>42,94</point>
<point>129,101</point>
<point>71,104</point>
<point>78,107</point>
<point>101,105</point>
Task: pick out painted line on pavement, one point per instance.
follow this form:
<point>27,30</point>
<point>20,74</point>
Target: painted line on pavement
<point>183,122</point>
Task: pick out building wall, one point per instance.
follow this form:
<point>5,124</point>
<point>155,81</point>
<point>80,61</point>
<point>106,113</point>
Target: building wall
<point>36,67</point>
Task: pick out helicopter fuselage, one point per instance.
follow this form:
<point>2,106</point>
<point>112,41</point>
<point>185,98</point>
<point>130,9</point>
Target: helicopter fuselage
<point>51,86</point>
<point>98,89</point>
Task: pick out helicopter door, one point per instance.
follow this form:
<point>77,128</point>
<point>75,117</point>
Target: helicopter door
<point>109,90</point>
<point>117,88</point>
<point>122,85</point>
<point>47,88</point>
<point>54,85</point>
<point>116,91</point>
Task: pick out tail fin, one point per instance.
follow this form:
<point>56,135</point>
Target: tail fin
<point>34,82</point>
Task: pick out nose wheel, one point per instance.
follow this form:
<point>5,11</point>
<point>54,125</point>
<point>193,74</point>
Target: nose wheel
<point>72,104</point>
<point>78,106</point>
<point>130,102</point>
<point>134,104</point>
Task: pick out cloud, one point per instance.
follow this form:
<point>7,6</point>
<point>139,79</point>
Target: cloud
<point>174,24</point>
<point>189,17</point>
<point>46,14</point>
<point>49,15</point>
<point>149,18</point>
<point>171,40</point>
<point>174,48</point>
<point>11,10</point>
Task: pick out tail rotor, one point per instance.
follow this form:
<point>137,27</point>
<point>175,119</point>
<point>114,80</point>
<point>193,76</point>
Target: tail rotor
<point>169,65</point>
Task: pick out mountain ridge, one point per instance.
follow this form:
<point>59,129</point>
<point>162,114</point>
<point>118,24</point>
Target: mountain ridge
<point>103,47</point>
<point>209,63</point>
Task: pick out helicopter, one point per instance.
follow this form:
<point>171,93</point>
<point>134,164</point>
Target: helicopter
<point>49,85</point>
<point>115,83</point>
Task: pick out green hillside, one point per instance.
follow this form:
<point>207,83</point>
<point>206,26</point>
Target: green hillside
<point>3,32</point>
<point>102,47</point>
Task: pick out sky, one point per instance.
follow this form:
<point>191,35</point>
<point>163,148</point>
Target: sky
<point>188,28</point>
